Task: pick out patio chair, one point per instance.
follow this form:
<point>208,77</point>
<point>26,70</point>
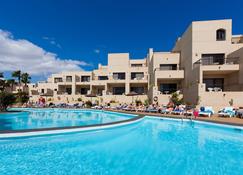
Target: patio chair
<point>206,111</point>
<point>239,113</point>
<point>227,111</point>
<point>152,110</point>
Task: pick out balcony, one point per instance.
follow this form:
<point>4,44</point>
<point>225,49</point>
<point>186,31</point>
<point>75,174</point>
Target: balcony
<point>169,74</point>
<point>212,65</point>
<point>138,77</point>
<point>138,68</point>
<point>117,78</point>
<point>58,80</point>
<point>98,82</point>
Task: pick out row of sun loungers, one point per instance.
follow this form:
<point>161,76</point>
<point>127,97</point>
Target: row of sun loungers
<point>183,110</point>
<point>179,110</point>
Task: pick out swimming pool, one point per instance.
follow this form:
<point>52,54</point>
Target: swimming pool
<point>151,146</point>
<point>56,118</point>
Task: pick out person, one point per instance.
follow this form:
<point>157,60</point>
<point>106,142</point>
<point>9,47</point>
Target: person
<point>195,113</point>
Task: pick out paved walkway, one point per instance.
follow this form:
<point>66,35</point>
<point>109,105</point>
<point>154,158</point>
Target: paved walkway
<point>215,119</point>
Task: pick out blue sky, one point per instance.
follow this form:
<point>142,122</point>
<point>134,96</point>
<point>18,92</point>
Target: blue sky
<point>86,30</point>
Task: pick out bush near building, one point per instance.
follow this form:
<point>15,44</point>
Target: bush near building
<point>6,99</point>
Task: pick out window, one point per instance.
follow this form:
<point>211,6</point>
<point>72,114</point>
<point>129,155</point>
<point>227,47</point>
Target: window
<point>136,65</point>
<point>69,91</point>
<point>119,76</point>
<point>57,80</point>
<point>118,90</point>
<point>85,78</point>
<point>138,90</point>
<point>220,35</point>
<point>42,91</point>
<point>68,78</point>
<point>102,77</point>
<point>214,83</point>
<point>137,75</point>
<point>84,91</point>
<point>213,59</point>
<point>168,66</point>
<point>168,88</point>
<point>99,92</point>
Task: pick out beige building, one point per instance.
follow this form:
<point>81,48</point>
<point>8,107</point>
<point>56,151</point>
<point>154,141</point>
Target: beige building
<point>205,67</point>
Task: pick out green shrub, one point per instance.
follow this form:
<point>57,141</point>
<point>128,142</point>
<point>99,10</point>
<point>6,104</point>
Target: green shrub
<point>22,97</point>
<point>6,99</point>
<point>231,102</point>
<point>138,102</point>
<point>88,104</point>
<point>176,99</point>
<point>112,101</point>
<point>146,102</point>
<point>79,99</point>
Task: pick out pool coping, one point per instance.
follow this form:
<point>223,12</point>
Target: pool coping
<point>180,117</point>
<point>137,117</point>
<point>68,129</point>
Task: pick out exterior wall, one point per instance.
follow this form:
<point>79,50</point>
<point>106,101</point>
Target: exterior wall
<point>184,47</point>
<point>199,38</point>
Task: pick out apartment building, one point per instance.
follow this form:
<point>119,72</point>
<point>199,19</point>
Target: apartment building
<point>212,60</point>
<point>113,82</point>
<point>205,67</point>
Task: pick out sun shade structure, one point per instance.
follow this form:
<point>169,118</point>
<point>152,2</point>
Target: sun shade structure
<point>91,95</point>
<point>132,94</point>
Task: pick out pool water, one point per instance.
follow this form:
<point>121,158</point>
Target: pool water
<point>54,118</point>
<point>149,147</point>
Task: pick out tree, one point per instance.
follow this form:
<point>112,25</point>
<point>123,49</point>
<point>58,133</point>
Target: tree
<point>2,81</point>
<point>175,99</point>
<point>22,97</point>
<point>11,83</point>
<point>17,74</point>
<point>1,75</point>
<point>6,99</point>
<point>25,77</point>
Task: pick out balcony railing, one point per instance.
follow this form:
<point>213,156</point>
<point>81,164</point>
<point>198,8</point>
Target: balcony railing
<point>58,80</point>
<point>222,88</point>
<point>162,69</point>
<point>217,61</point>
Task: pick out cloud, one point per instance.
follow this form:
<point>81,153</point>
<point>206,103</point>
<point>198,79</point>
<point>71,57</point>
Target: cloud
<point>21,54</point>
<point>97,51</point>
<point>52,41</point>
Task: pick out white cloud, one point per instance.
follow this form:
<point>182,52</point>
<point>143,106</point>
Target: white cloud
<point>52,41</point>
<point>20,54</point>
<point>97,51</point>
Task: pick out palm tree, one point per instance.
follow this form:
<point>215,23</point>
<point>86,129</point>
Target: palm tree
<point>2,82</point>
<point>11,83</point>
<point>25,77</point>
<point>1,75</point>
<point>17,74</point>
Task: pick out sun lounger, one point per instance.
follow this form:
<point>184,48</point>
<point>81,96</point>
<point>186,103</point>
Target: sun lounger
<point>141,110</point>
<point>178,111</point>
<point>239,113</point>
<point>206,111</point>
<point>126,109</point>
<point>166,111</point>
<point>188,112</point>
<point>152,110</point>
<point>227,111</point>
<point>96,107</point>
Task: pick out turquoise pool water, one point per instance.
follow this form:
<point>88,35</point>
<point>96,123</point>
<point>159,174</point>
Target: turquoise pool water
<point>149,147</point>
<point>53,118</point>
